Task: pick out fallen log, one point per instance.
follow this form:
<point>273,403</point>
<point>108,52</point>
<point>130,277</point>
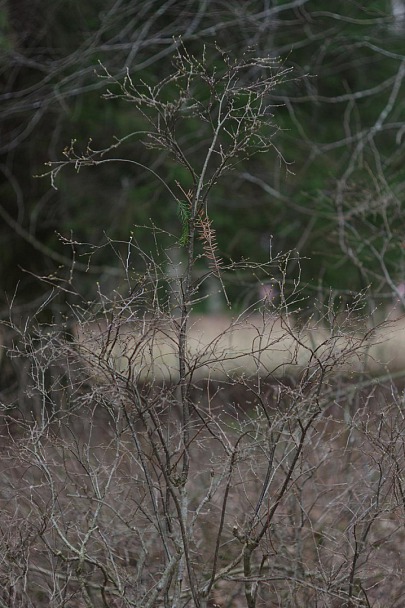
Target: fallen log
<point>219,347</point>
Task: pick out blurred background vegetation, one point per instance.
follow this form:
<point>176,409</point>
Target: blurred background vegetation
<point>332,188</point>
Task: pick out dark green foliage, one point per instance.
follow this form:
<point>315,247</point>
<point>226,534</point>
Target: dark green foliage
<point>339,133</point>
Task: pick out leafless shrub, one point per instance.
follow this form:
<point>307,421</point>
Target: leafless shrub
<point>292,493</point>
<point>152,461</point>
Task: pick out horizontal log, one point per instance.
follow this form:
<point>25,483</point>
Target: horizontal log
<point>219,347</point>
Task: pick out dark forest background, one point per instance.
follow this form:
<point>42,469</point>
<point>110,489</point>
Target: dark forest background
<point>331,187</point>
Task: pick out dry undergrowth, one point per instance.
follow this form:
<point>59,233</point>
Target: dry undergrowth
<point>293,494</point>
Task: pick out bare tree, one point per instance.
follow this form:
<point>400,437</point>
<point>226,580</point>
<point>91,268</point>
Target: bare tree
<point>268,474</point>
